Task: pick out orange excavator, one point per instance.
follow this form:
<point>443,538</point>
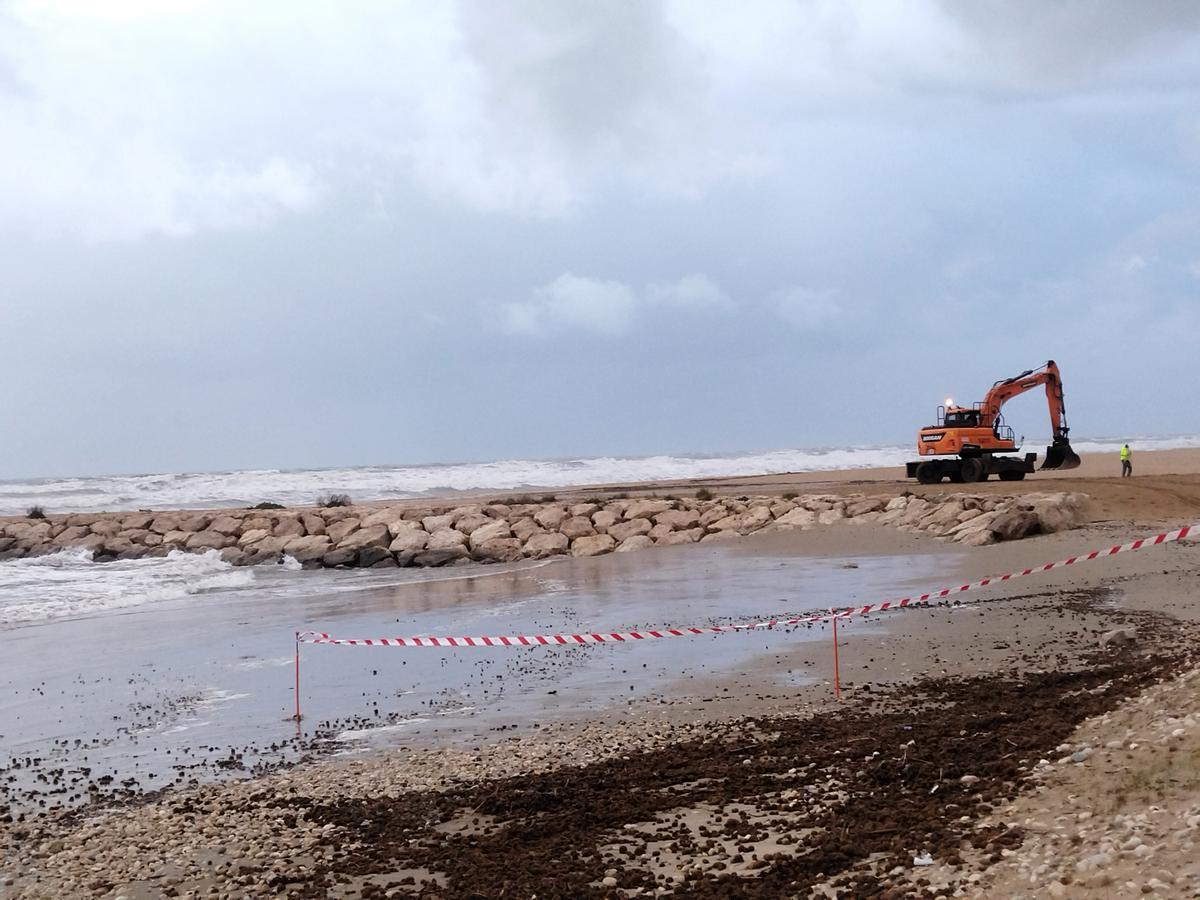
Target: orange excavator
<point>968,440</point>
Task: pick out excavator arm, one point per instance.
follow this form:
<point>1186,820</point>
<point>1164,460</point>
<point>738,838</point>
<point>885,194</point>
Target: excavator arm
<point>1059,454</point>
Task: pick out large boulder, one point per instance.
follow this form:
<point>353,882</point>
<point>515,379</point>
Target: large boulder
<point>382,517</point>
<point>313,524</point>
<point>861,507</point>
<point>714,513</point>
<point>140,521</point>
<point>497,510</point>
<point>830,516</point>
<point>375,536</point>
<point>550,517</point>
<point>647,509</point>
<point>682,537</point>
<point>409,542</point>
<point>208,540</point>
<point>107,528</point>
<point>191,523</point>
<point>397,527</point>
<point>658,532</point>
<point>547,544</point>
<point>524,529</point>
<point>1014,524</point>
<point>468,523</point>
<point>71,535</point>
<point>593,545</point>
<point>440,556</point>
<point>635,542</point>
<point>577,527</point>
<point>340,530</point>
<point>605,519</point>
<point>755,518</point>
<point>252,536</point>
<point>437,523</point>
<point>501,549</point>
<point>164,524</point>
<point>448,539</point>
<point>308,548</point>
<point>288,526</point>
<point>375,558</point>
<point>678,519</point>
<point>337,558</point>
<point>584,509</point>
<point>269,546</point>
<point>226,525</point>
<point>800,517</point>
<point>622,531</point>
<point>496,529</point>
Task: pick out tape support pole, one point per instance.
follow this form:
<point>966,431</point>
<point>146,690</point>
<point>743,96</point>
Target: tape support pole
<point>554,640</point>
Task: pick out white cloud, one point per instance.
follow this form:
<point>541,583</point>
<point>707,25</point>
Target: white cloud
<point>690,292</point>
<point>805,309</point>
<point>571,302</point>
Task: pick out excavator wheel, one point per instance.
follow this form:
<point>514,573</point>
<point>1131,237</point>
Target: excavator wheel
<point>927,473</point>
<point>973,469</point>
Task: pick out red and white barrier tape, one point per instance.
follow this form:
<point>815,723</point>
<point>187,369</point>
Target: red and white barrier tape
<point>535,640</point>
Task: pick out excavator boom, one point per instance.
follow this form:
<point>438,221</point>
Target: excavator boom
<point>1059,454</point>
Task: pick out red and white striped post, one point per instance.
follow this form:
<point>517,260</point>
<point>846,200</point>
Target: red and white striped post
<point>297,670</point>
<point>837,677</point>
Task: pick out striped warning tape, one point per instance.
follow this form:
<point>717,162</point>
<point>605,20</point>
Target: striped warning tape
<point>536,640</point>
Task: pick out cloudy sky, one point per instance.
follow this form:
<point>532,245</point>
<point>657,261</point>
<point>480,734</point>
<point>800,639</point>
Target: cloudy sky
<point>308,233</point>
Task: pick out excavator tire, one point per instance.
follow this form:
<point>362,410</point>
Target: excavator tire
<point>927,473</point>
<point>1012,476</point>
<point>974,469</point>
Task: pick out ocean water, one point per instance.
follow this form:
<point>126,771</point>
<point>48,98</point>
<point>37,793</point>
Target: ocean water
<point>302,486</point>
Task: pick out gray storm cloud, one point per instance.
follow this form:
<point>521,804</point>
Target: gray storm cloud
<point>444,225</point>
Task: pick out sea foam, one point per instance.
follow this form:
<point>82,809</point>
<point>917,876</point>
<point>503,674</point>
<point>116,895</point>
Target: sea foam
<point>69,584</point>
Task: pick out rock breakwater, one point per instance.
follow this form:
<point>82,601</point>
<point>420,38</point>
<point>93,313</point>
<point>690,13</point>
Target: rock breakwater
<point>505,532</point>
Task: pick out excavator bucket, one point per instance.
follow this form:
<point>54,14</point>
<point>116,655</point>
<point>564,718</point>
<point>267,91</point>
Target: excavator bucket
<point>1059,455</point>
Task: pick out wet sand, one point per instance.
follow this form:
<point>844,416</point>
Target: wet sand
<point>178,692</point>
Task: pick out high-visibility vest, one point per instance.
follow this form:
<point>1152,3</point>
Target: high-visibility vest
<point>1124,453</point>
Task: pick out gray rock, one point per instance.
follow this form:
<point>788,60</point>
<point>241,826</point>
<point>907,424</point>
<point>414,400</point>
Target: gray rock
<point>625,530</point>
<point>577,527</point>
<point>550,517</point>
<point>1119,636</point>
<point>410,542</point>
<point>593,545</point>
<point>308,548</point>
<point>340,530</point>
<point>501,549</point>
<point>371,556</point>
<point>375,536</point>
<point>635,542</point>
<point>208,540</point>
<point>440,557</point>
<point>547,544</point>
<point>339,557</point>
<point>494,530</point>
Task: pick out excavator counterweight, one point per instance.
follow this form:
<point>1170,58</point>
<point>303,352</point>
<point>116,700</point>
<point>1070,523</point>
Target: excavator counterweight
<point>975,436</point>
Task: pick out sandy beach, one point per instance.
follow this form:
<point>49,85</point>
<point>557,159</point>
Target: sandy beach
<point>711,766</point>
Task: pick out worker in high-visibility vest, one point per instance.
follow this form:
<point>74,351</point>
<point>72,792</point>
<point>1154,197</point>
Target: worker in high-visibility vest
<point>1126,465</point>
